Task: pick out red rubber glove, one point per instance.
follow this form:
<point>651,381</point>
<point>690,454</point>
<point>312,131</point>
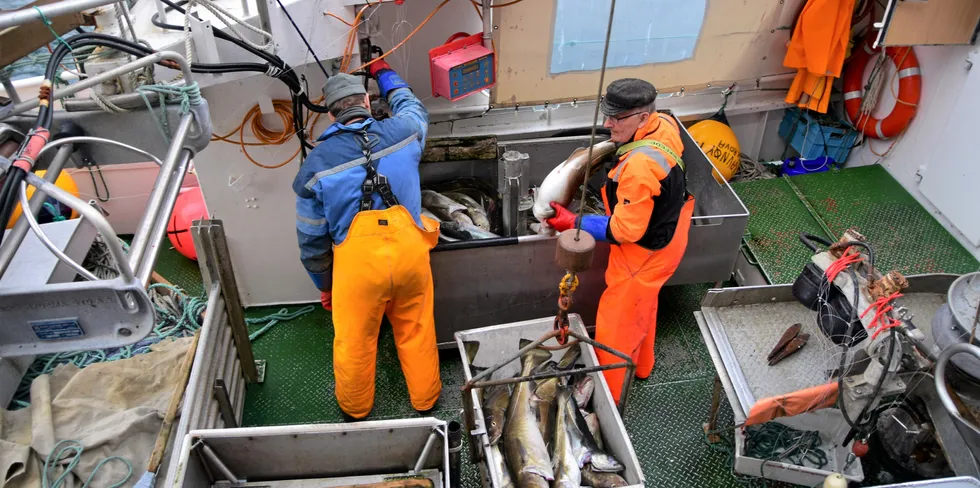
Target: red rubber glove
<point>325,300</point>
<point>377,66</point>
<point>563,220</point>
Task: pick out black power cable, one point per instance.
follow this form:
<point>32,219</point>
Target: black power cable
<point>301,36</point>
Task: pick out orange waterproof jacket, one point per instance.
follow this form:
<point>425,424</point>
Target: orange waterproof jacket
<point>817,50</point>
<point>645,191</point>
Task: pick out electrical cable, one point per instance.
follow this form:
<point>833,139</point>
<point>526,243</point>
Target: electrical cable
<point>264,135</point>
<point>303,37</point>
<point>403,41</point>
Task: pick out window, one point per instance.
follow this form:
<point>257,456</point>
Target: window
<point>644,32</point>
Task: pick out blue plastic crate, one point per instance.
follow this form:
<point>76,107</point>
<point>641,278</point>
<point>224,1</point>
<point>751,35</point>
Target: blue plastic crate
<point>813,140</point>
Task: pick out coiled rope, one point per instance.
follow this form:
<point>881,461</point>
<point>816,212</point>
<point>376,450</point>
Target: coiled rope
<point>56,455</point>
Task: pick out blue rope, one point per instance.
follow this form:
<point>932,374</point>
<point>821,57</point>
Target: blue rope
<point>53,460</point>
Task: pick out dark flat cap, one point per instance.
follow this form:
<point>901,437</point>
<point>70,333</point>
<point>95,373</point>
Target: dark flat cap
<point>626,94</point>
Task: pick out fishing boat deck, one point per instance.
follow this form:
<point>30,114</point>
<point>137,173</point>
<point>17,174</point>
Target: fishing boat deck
<point>665,415</point>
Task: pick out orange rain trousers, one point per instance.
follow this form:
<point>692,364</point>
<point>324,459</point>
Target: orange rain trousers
<point>382,269</point>
<point>627,317</point>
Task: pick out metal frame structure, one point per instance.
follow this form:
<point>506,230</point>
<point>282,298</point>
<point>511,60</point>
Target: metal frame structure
<point>497,344</point>
<point>223,363</point>
<point>737,376</point>
<point>95,314</point>
<point>319,455</point>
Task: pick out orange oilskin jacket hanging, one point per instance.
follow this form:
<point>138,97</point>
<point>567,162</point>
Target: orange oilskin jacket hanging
<point>817,50</point>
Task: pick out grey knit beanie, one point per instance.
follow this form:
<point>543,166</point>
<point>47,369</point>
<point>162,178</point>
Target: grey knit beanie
<point>342,86</point>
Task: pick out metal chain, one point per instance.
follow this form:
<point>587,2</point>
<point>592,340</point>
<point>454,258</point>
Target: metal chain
<point>566,287</point>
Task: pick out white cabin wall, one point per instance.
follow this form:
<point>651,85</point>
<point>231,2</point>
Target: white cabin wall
<point>944,80</point>
<point>411,61</point>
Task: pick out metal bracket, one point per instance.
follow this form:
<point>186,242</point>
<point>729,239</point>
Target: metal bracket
<point>260,365</point>
<point>80,315</point>
<point>214,259</point>
<point>224,403</point>
<point>205,47</point>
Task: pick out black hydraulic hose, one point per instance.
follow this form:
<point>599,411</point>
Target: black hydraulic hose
<point>286,73</point>
<point>807,240</point>
<point>455,453</point>
<point>866,246</point>
<point>9,194</point>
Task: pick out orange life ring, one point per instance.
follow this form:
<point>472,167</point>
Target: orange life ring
<point>909,90</point>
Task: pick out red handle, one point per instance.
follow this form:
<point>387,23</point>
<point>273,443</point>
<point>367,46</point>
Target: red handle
<point>456,36</point>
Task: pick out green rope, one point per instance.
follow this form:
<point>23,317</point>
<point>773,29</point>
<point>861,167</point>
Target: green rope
<point>54,211</point>
<point>726,446</point>
<point>282,315</point>
<point>188,94</point>
<point>773,441</point>
<point>47,23</point>
<point>55,455</point>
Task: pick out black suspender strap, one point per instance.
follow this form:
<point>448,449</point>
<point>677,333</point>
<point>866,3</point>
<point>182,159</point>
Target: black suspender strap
<point>374,182</point>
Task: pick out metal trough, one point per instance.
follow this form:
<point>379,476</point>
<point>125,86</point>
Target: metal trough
<point>322,455</point>
<point>481,283</point>
<point>499,342</point>
<point>740,325</point>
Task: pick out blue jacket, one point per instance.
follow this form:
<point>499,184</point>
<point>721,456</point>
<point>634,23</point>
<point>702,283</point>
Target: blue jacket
<point>328,185</point>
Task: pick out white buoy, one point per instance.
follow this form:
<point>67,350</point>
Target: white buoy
<point>835,480</point>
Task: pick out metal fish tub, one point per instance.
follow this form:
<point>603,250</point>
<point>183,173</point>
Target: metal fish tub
<point>499,342</point>
<point>493,281</point>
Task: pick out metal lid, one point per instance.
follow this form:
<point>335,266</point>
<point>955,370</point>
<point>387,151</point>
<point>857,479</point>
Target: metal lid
<point>964,300</point>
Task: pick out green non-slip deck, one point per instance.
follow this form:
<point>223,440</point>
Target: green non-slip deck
<point>663,418</point>
<point>905,235</point>
<point>666,411</point>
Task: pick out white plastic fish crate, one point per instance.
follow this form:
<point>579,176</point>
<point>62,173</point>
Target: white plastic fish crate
<point>316,455</point>
<point>499,342</point>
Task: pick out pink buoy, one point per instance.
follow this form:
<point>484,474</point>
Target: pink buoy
<point>188,208</point>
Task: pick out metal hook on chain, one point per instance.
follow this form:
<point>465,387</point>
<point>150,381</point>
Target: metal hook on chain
<point>566,287</point>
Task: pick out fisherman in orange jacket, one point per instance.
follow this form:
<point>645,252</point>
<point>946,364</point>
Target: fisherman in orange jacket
<point>648,215</point>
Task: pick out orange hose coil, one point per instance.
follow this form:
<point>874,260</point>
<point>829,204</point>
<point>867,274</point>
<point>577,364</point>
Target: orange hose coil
<point>266,136</point>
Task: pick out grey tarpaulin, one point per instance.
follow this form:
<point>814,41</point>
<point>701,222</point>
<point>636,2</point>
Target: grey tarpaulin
<point>113,409</point>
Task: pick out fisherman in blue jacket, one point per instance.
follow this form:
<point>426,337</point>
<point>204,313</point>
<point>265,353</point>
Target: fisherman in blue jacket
<point>363,240</point>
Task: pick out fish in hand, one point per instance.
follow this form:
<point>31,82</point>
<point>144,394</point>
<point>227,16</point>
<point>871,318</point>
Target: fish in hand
<point>565,179</point>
